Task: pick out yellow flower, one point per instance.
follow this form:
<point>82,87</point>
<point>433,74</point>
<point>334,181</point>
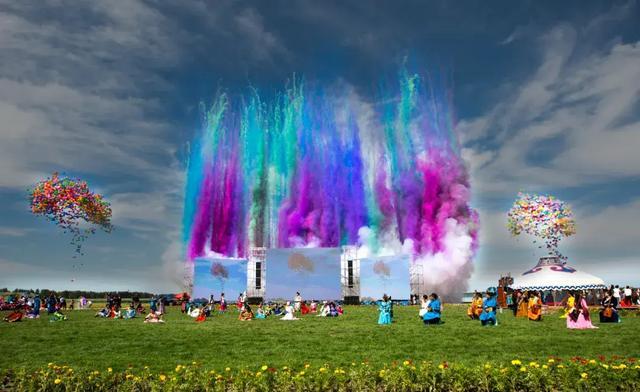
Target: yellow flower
<point>523,369</point>
<point>178,368</point>
<point>50,364</point>
<point>129,376</point>
<point>353,364</point>
<point>57,381</point>
<point>441,366</point>
<point>551,360</point>
<point>584,375</point>
<point>534,364</point>
<point>306,366</point>
<point>637,367</point>
<point>322,370</point>
<point>604,365</point>
<point>163,377</point>
<point>516,362</point>
<point>227,369</point>
<point>109,370</point>
<point>381,374</point>
<point>406,363</point>
<point>136,379</point>
<point>487,366</point>
<point>258,374</point>
<point>561,366</point>
<point>264,367</point>
<point>622,366</point>
<point>285,367</point>
<point>545,367</point>
<point>592,361</point>
<point>194,363</point>
<point>301,373</point>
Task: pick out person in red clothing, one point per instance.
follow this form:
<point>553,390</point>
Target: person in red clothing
<point>304,309</point>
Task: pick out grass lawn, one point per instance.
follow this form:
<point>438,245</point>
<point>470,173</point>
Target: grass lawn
<point>87,342</point>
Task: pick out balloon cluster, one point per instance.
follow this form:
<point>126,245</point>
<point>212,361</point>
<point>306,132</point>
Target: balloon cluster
<point>543,217</point>
<point>71,205</point>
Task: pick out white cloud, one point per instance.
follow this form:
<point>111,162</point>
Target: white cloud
<point>584,100</point>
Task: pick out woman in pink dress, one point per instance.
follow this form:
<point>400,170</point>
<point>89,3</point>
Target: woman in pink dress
<point>579,317</point>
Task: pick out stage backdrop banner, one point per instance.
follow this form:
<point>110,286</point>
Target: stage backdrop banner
<point>215,276</point>
<point>314,272</point>
<point>385,275</point>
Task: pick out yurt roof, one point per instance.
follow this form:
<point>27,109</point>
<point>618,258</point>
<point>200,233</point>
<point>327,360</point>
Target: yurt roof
<point>552,274</point>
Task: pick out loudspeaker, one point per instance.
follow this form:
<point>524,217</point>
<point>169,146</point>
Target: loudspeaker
<point>351,300</point>
<point>258,275</point>
<point>254,300</point>
<point>350,274</point>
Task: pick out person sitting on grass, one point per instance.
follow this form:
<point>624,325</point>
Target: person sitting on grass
<point>384,307</point>
<point>324,310</point>
<point>203,314</point>
<point>313,307</point>
<point>424,305</point>
<point>304,309</point>
<point>57,316</point>
<point>488,315</point>
<point>130,312</point>
<point>333,310</point>
<point>534,310</point>
<point>246,314</point>
<point>432,316</point>
<point>104,312</point>
<point>609,311</point>
<point>261,313</point>
<point>154,317</point>
<point>288,313</point>
<point>193,311</point>
<point>14,316</point>
<point>475,309</point>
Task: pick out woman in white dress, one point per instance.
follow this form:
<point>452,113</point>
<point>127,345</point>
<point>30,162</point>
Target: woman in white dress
<point>288,312</point>
<point>324,310</point>
<point>297,301</point>
<point>424,305</point>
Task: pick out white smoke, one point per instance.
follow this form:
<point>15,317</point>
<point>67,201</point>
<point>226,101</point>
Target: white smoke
<point>448,272</point>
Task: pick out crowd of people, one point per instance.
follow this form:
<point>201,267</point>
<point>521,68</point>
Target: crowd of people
<point>287,311</point>
<point>31,307</point>
<point>483,307</point>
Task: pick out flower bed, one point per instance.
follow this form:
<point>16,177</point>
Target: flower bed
<point>552,374</point>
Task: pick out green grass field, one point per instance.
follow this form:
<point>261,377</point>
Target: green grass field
<point>87,342</point>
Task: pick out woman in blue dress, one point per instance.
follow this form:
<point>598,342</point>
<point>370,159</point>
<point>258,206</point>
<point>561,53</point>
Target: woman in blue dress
<point>433,310</point>
<point>488,315</point>
<point>384,307</point>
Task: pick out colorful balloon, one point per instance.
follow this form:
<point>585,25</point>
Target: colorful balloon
<point>71,205</point>
<point>543,217</point>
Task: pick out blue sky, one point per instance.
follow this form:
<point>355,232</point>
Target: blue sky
<point>547,96</point>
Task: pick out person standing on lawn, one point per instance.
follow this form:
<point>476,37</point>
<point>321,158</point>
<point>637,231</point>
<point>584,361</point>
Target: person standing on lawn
<point>384,307</point>
<point>534,311</point>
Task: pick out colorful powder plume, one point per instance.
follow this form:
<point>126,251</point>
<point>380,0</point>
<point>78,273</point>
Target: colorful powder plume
<point>325,168</point>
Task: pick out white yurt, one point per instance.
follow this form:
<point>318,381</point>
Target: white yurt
<point>551,274</point>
